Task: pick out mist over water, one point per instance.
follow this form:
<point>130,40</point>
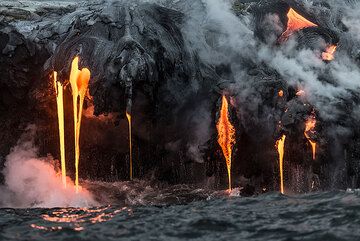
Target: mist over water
<point>31,181</point>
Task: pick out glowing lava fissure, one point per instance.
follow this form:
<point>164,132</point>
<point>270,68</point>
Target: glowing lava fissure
<point>226,135</point>
<point>310,127</point>
<point>59,89</point>
<point>79,81</point>
<point>128,116</point>
<point>280,145</point>
<point>295,23</point>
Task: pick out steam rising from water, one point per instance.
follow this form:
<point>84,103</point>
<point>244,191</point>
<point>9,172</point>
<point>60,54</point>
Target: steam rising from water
<point>31,181</point>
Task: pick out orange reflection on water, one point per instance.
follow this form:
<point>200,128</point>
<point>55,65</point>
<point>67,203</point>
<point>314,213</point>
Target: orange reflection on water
<point>78,218</point>
<point>39,227</point>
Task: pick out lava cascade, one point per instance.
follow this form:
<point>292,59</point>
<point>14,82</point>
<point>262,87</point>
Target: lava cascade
<point>280,145</point>
<point>310,127</point>
<point>59,89</point>
<point>226,135</point>
<point>128,116</point>
<point>79,80</point>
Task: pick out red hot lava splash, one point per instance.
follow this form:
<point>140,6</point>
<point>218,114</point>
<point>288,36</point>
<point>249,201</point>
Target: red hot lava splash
<point>226,135</point>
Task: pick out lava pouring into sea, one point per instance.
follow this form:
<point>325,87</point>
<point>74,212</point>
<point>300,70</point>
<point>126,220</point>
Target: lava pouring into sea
<point>226,135</point>
<point>280,145</point>
<point>310,127</point>
<point>59,89</point>
<point>128,116</point>
<point>79,80</point>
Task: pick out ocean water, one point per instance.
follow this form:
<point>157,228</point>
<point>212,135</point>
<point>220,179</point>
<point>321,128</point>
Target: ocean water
<point>194,215</point>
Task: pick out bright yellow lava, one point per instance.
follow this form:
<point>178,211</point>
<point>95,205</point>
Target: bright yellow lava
<point>280,144</point>
<point>59,89</point>
<point>79,80</point>
<point>226,135</point>
<point>128,116</point>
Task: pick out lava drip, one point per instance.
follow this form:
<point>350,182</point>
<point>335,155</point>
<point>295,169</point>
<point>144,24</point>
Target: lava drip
<point>295,22</point>
<point>328,55</point>
<point>128,116</point>
<point>280,145</point>
<point>226,135</point>
<point>310,128</point>
<point>59,89</point>
<point>128,94</point>
<point>79,80</point>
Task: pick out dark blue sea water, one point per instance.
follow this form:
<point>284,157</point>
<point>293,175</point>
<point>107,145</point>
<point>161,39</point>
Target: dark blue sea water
<point>319,216</point>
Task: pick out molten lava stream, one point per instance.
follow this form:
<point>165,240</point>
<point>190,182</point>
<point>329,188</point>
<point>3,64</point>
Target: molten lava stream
<point>226,135</point>
<point>328,55</point>
<point>295,22</point>
<point>280,144</point>
<point>128,116</point>
<point>79,80</point>
<point>60,109</point>
<point>310,127</point>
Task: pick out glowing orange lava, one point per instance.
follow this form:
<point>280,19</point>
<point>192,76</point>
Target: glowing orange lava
<point>128,116</point>
<point>295,22</point>
<point>79,80</point>
<point>226,135</point>
<point>280,144</point>
<point>310,127</point>
<point>328,55</point>
<point>60,109</point>
<point>281,93</point>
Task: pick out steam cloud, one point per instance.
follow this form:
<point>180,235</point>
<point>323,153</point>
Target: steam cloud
<point>222,38</point>
<point>31,181</point>
<point>298,67</point>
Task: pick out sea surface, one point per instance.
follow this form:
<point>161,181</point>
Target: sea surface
<point>318,216</point>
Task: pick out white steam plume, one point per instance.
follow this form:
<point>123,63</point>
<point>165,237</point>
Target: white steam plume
<point>31,181</point>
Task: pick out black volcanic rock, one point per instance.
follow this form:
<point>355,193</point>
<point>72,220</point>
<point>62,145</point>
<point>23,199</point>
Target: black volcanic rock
<point>169,62</point>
